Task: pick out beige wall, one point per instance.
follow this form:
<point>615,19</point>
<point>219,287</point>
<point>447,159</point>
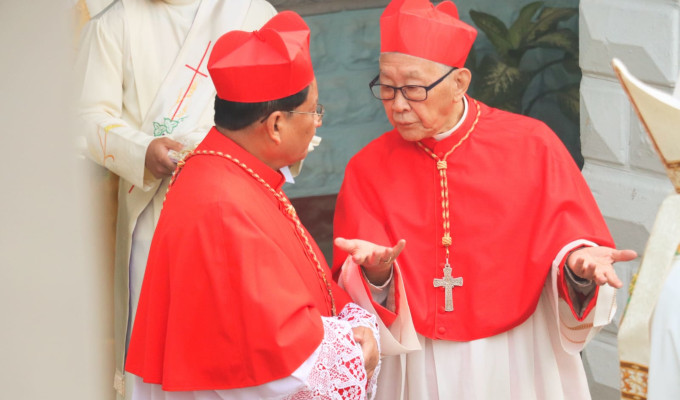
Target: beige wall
<point>55,300</point>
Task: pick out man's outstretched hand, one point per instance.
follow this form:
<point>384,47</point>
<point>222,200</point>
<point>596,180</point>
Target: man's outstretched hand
<point>597,264</point>
<point>377,260</point>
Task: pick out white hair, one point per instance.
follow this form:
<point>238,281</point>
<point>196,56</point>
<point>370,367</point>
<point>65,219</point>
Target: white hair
<point>444,68</point>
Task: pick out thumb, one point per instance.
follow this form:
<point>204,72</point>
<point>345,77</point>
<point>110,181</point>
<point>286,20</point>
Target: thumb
<point>624,255</point>
<point>346,245</point>
<point>175,145</point>
<point>399,247</point>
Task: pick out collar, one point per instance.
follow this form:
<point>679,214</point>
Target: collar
<point>216,141</point>
<point>444,135</point>
<point>440,147</point>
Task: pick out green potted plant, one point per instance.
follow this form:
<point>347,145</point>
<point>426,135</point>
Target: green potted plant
<point>503,78</point>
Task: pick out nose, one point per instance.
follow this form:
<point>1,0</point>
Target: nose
<point>399,103</point>
<point>318,121</point>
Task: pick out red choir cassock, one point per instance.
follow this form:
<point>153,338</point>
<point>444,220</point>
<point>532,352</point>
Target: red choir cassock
<point>516,199</point>
<point>231,297</point>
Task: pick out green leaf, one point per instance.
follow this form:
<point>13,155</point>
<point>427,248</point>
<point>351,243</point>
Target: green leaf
<point>562,39</point>
<point>523,23</point>
<point>568,100</point>
<point>548,20</point>
<point>494,29</point>
<point>499,82</point>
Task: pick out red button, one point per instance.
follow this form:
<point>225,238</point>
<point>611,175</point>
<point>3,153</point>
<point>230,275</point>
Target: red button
<point>441,330</point>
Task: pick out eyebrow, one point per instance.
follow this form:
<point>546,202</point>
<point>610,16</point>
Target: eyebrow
<point>411,74</point>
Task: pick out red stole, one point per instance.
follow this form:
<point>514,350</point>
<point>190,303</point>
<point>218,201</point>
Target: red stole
<point>516,199</point>
<point>231,297</point>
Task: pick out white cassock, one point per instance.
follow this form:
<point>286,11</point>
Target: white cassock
<point>538,359</point>
<point>143,70</point>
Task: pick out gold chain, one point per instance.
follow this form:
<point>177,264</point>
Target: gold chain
<point>443,182</point>
<point>290,210</point>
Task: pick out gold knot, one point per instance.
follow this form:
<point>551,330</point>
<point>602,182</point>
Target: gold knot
<point>446,240</point>
<point>441,164</point>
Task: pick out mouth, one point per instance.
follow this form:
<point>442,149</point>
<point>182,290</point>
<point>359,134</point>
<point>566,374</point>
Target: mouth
<point>403,123</point>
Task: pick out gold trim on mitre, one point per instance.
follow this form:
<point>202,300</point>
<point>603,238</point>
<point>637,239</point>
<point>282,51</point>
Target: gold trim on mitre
<point>660,114</point>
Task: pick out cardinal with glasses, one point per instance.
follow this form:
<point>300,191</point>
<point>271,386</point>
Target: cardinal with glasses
<point>508,269</point>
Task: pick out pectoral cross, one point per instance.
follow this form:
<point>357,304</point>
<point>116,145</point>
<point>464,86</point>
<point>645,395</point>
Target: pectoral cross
<point>448,282</point>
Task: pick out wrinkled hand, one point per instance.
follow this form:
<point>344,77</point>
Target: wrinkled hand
<point>597,264</point>
<point>369,346</point>
<point>157,160</point>
<point>376,260</point>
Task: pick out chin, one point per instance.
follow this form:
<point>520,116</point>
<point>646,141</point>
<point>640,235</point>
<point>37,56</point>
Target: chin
<point>410,134</point>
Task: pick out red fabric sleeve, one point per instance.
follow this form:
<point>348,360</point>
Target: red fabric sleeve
<point>563,292</point>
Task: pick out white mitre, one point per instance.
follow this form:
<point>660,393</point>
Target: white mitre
<point>660,114</point>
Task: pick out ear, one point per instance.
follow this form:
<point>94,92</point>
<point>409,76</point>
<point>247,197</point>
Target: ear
<point>273,125</point>
<point>462,78</point>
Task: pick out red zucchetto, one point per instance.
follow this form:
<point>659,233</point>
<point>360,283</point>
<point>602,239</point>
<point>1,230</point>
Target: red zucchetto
<point>264,65</point>
<point>418,28</point>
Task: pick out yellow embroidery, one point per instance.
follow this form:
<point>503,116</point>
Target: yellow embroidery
<point>102,143</point>
<point>633,381</point>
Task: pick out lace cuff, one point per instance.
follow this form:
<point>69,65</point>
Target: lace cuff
<point>339,371</point>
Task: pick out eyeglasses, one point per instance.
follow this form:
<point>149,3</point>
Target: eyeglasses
<point>410,92</point>
<point>320,109</point>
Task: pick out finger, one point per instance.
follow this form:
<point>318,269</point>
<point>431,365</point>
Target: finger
<point>376,258</point>
<point>576,263</point>
<point>177,146</point>
<point>385,255</point>
<point>358,335</point>
<point>396,250</point>
<point>624,255</point>
<point>345,245</point>
<point>167,166</point>
<point>599,278</point>
<point>171,144</point>
<point>577,267</point>
<point>588,270</point>
<point>360,259</point>
<point>613,279</point>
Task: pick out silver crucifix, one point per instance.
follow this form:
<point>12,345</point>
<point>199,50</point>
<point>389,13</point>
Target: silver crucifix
<point>448,282</point>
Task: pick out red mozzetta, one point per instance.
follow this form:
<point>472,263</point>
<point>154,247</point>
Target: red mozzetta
<point>231,297</point>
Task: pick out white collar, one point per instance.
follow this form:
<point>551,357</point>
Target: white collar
<point>444,135</point>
